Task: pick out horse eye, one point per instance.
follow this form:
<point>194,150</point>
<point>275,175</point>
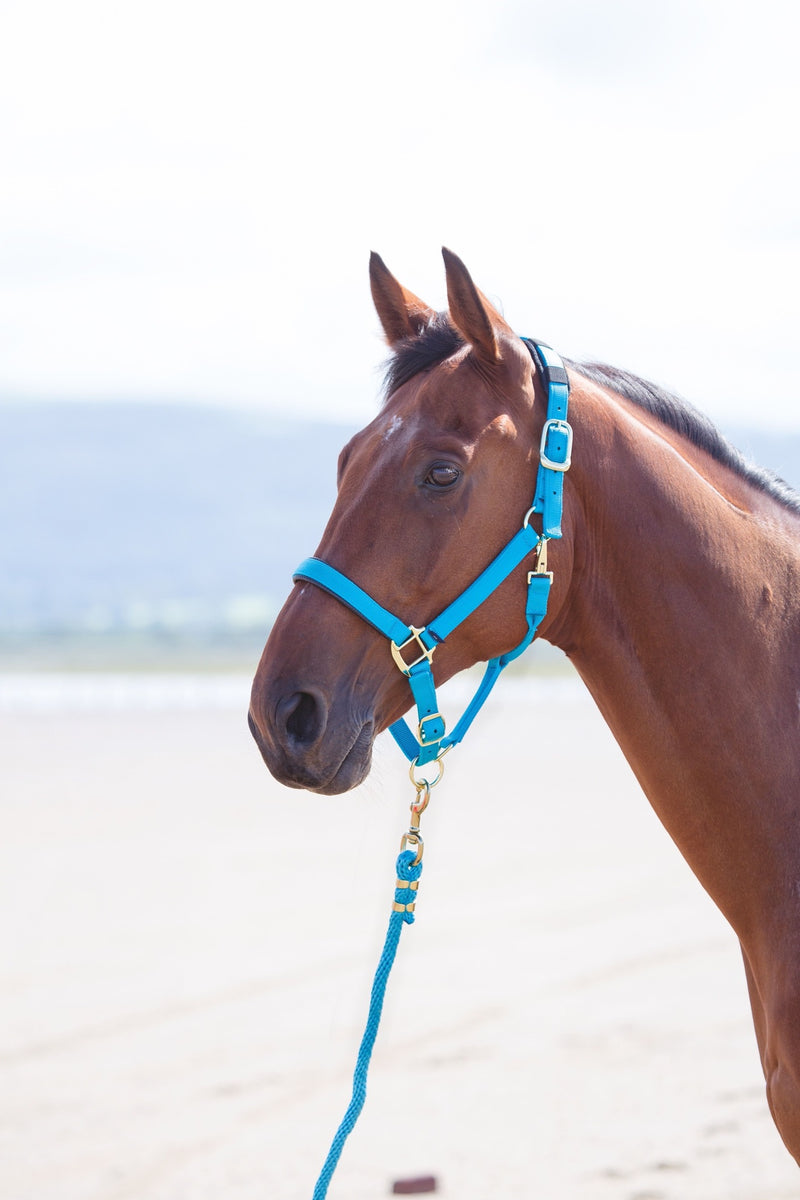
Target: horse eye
<point>442,475</point>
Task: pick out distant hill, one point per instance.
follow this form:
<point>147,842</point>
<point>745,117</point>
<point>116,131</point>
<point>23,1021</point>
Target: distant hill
<point>176,520</point>
<point>120,518</point>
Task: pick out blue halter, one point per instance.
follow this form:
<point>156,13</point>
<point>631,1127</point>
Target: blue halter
<point>413,648</point>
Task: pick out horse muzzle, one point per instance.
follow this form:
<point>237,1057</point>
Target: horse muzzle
<point>304,749</point>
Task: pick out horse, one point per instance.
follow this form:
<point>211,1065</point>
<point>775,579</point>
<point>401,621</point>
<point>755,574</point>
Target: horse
<point>675,593</point>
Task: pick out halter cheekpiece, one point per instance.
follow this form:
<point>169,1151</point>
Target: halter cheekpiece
<point>413,647</point>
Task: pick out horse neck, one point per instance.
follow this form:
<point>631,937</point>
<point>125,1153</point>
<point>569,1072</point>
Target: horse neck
<point>682,620</point>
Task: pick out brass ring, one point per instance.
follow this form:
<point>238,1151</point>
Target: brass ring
<point>429,783</point>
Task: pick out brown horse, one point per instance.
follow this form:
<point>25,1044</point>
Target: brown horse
<point>676,594</point>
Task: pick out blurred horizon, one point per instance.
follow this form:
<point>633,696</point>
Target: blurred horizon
<point>152,535</point>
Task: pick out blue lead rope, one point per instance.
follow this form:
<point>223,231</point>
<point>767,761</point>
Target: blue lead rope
<point>408,873</point>
<point>432,741</point>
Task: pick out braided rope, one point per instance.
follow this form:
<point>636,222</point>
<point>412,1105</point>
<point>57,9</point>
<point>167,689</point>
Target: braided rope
<point>408,873</point>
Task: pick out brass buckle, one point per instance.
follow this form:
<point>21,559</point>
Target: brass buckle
<point>427,652</point>
<point>421,737</point>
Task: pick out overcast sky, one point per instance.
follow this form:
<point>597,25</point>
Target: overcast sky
<point>189,191</point>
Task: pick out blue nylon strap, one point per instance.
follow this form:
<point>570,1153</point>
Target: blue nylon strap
<point>535,609</point>
<point>354,597</point>
<point>420,677</point>
<point>523,541</point>
<point>548,499</point>
<point>433,741</point>
<point>550,483</point>
<point>406,741</point>
<point>494,670</point>
<point>431,723</point>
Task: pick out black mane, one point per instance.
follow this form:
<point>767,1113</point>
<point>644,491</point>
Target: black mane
<point>439,340</point>
<point>678,414</point>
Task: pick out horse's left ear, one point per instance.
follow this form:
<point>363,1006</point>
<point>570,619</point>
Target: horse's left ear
<point>402,314</point>
<point>471,313</point>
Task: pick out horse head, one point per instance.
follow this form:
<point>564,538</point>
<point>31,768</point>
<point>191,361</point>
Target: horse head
<point>428,493</point>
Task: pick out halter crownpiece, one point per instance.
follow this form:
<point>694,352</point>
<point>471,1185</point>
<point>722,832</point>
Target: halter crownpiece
<point>413,647</point>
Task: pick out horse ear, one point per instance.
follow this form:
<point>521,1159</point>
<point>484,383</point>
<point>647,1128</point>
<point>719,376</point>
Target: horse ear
<point>470,311</point>
<point>402,314</point>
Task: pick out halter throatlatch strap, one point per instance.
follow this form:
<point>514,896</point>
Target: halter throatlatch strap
<point>413,647</point>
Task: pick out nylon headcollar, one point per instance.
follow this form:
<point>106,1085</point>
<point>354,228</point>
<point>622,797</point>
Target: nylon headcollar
<point>413,646</point>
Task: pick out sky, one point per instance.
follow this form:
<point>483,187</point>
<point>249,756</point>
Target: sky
<point>189,192</point>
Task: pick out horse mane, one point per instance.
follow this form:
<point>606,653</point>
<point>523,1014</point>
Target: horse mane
<point>439,340</point>
<point>681,416</point>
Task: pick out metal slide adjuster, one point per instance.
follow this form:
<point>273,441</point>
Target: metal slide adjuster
<point>427,651</point>
<point>557,426</point>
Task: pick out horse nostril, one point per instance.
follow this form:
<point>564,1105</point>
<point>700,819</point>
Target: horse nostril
<point>304,717</point>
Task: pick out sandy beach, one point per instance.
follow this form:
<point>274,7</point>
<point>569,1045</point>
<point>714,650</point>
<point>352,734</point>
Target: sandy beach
<point>187,952</point>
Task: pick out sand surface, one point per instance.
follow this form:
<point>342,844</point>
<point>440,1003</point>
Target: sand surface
<point>187,949</point>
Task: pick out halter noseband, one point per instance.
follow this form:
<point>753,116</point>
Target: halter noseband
<point>413,647</point>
